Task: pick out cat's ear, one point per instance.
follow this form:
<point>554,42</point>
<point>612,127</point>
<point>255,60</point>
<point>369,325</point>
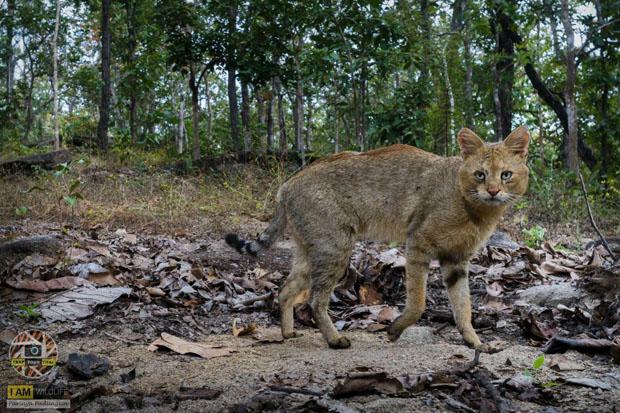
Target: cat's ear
<point>518,141</point>
<point>469,142</point>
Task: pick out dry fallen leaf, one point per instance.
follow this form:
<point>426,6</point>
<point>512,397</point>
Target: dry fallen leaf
<point>79,302</point>
<point>387,314</point>
<point>178,345</point>
<point>155,291</point>
<point>268,335</point>
<point>561,363</point>
<point>61,283</point>
<point>243,330</point>
<point>368,383</point>
<point>370,296</point>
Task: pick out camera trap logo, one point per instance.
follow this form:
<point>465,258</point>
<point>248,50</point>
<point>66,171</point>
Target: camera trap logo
<point>33,354</point>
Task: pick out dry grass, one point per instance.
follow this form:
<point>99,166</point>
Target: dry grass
<point>154,202</point>
<point>147,199</point>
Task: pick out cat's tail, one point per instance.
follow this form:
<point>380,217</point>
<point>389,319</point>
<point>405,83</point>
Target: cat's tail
<point>266,238</point>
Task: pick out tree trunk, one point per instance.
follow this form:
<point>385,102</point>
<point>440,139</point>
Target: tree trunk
<point>231,67</point>
<point>299,105</point>
<point>281,121</point>
<point>10,62</point>
<point>133,101</point>
<point>209,109</point>
<point>469,70</point>
<point>104,107</point>
<point>181,127</point>
<point>270,116</point>
<point>541,135</point>
<point>29,116</point>
<point>336,133</point>
<point>308,142</point>
<point>504,71</point>
<point>194,88</point>
<point>552,99</point>
<point>260,112</point>
<point>450,132</point>
<point>571,159</point>
<point>363,97</point>
<point>55,77</point>
<point>425,69</point>
<point>245,116</point>
<point>604,123</point>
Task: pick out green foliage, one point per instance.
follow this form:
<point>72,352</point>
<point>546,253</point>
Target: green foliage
<point>535,372</point>
<point>534,236</point>
<point>29,311</point>
<point>21,211</point>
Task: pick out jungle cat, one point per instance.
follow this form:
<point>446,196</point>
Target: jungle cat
<point>440,207</point>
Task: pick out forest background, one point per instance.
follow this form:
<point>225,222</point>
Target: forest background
<point>150,83</point>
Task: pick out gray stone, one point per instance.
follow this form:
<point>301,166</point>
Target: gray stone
<point>502,240</point>
<point>418,335</point>
<point>550,295</point>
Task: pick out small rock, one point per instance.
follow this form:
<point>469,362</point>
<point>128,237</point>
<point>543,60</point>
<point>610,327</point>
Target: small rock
<point>588,382</point>
<point>87,365</point>
<point>550,295</point>
<point>418,335</point>
<point>502,240</point>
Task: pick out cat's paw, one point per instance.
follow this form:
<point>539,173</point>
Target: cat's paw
<point>393,331</point>
<point>292,334</point>
<point>492,346</point>
<point>340,343</point>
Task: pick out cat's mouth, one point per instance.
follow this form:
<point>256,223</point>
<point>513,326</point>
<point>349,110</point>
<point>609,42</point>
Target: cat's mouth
<point>494,201</point>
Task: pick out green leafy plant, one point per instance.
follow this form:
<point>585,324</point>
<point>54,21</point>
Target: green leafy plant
<point>29,311</point>
<point>21,211</point>
<point>534,236</point>
<point>71,198</point>
<point>535,371</point>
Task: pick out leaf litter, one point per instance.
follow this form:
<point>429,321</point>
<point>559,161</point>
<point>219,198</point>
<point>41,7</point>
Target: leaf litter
<point>155,279</point>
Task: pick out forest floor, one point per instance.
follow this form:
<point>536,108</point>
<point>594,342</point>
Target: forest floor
<point>185,322</point>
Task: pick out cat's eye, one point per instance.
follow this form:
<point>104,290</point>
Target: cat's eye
<point>506,175</point>
<point>479,175</point>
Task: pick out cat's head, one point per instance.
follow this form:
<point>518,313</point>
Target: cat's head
<point>494,174</point>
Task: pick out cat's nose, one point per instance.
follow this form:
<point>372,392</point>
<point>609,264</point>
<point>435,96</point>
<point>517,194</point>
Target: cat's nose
<point>493,191</point>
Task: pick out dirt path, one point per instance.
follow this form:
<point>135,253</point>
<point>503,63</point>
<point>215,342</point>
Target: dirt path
<point>303,362</point>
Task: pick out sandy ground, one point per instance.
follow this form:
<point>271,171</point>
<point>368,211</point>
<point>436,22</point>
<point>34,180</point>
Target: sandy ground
<point>307,360</point>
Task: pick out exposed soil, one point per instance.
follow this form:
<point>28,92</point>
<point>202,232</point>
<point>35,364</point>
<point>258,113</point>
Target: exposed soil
<point>123,330</point>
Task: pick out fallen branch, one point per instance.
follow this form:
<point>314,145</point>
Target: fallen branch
<point>598,231</point>
<point>13,251</point>
<point>45,160</point>
<point>559,344</point>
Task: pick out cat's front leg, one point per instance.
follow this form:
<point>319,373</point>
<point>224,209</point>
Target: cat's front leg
<point>455,278</point>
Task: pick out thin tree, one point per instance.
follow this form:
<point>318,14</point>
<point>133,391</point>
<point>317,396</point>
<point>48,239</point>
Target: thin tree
<point>106,87</point>
<point>10,62</point>
<point>55,77</point>
<point>571,148</point>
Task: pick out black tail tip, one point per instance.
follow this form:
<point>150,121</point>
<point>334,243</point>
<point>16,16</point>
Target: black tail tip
<point>232,240</point>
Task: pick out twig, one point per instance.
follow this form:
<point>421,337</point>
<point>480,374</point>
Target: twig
<point>502,404</point>
<point>598,231</point>
<point>295,390</point>
<point>121,339</point>
<point>455,404</point>
<point>252,300</point>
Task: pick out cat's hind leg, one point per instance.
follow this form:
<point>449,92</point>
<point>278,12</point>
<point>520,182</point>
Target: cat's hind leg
<point>294,291</point>
<point>327,266</point>
<point>417,264</point>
